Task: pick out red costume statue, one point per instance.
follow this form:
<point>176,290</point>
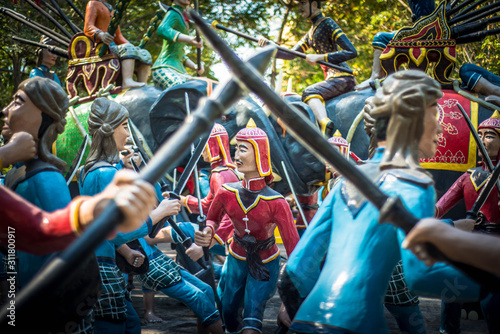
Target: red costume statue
<point>218,154</point>
<point>37,231</point>
<point>469,185</point>
<point>251,272</point>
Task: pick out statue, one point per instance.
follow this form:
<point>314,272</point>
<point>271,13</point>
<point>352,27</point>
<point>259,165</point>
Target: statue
<point>108,127</point>
<point>481,81</point>
<point>98,15</point>
<point>44,61</point>
<point>338,297</point>
<point>169,67</point>
<point>419,9</point>
<point>324,37</point>
<point>251,270</point>
<point>467,188</point>
<point>39,108</point>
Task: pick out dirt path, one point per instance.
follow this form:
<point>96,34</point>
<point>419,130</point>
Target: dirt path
<point>178,319</point>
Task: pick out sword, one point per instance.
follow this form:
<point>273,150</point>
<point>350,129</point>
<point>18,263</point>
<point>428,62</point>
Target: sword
<point>198,50</point>
<point>201,217</point>
<point>78,159</point>
<point>294,194</point>
<point>391,209</point>
<point>191,165</point>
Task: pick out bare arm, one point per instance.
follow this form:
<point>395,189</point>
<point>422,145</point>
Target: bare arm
<point>479,250</point>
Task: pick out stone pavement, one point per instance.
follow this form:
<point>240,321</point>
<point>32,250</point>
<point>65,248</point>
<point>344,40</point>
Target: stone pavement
<point>178,319</point>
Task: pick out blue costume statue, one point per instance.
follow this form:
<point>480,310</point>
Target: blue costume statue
<point>45,60</point>
<point>40,180</point>
<point>113,311</point>
<point>167,276</point>
<point>346,293</point>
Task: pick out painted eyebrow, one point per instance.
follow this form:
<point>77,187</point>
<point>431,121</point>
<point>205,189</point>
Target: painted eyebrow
<point>242,145</point>
<point>17,96</point>
<point>489,132</point>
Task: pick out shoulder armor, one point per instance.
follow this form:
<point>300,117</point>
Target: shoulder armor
<point>355,201</point>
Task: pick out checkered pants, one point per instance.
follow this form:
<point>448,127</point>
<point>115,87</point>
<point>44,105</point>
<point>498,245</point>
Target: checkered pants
<point>397,292</point>
<point>163,272</point>
<point>165,77</point>
<point>111,304</point>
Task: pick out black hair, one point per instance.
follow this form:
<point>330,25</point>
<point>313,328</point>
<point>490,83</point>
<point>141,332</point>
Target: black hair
<point>380,128</point>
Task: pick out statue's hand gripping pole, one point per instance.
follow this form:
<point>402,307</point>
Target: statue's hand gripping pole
<point>392,210</point>
<point>202,219</point>
<point>168,155</point>
<point>216,25</point>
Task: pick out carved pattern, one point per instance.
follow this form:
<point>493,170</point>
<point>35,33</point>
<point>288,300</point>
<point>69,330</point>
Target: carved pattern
<point>425,46</point>
<point>87,68</point>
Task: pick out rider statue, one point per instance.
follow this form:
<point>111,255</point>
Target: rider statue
<point>97,18</point>
<point>324,37</point>
<point>44,61</point>
<point>169,67</point>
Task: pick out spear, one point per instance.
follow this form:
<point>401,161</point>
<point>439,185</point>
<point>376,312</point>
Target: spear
<point>200,122</point>
<point>50,18</point>
<point>486,10</point>
<point>215,24</point>
<point>392,209</point>
<point>76,9</point>
<point>65,18</point>
<point>59,14</point>
<point>35,26</point>
<point>54,49</point>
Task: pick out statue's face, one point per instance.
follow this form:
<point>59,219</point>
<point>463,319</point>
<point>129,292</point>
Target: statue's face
<point>491,141</point>
<point>244,157</point>
<point>304,8</point>
<point>22,115</point>
<point>182,3</point>
<point>120,134</point>
<point>48,58</point>
<point>429,141</point>
<point>132,155</point>
<point>204,155</point>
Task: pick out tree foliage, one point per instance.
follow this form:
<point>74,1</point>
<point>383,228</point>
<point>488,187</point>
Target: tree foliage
<point>277,20</point>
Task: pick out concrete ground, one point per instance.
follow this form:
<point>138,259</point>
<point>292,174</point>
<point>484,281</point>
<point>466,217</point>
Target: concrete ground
<point>178,319</point>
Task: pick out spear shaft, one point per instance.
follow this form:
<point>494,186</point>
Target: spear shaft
<point>392,209</point>
<point>54,49</point>
<point>50,18</point>
<point>281,48</point>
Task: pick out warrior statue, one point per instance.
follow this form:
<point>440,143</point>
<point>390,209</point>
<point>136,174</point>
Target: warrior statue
<point>169,67</point>
<point>337,296</point>
<point>97,18</point>
<point>251,271</point>
<point>325,37</point>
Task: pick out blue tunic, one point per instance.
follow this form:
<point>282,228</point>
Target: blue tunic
<point>94,183</point>
<point>360,256</point>
<point>48,191</point>
<point>41,71</point>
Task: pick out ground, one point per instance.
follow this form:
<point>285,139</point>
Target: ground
<point>178,319</point>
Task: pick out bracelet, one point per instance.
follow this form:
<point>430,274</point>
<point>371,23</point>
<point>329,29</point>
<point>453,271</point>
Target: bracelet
<point>95,35</point>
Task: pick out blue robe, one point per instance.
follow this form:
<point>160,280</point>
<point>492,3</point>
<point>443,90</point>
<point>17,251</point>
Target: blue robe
<point>48,191</point>
<point>348,293</point>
